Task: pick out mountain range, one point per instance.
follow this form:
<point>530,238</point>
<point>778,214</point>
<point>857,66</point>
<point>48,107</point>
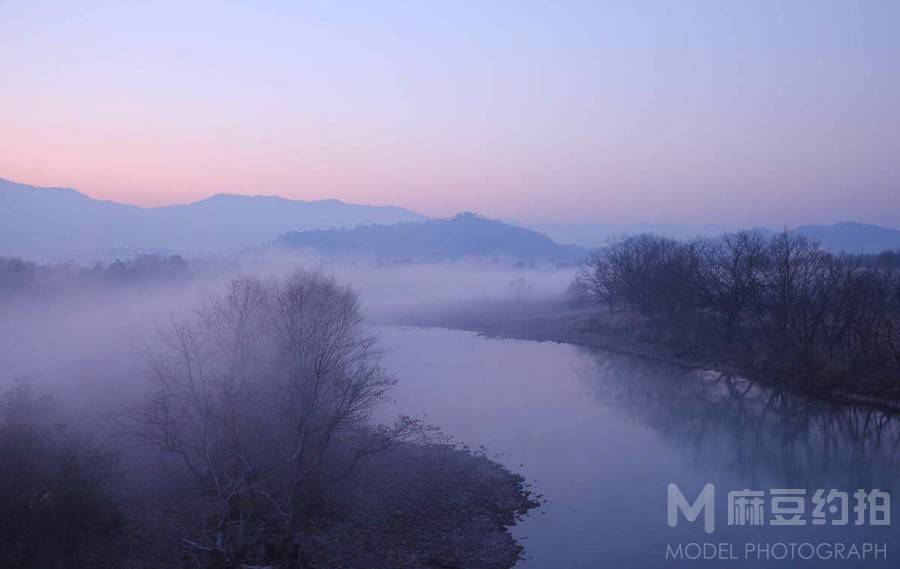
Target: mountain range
<point>61,224</point>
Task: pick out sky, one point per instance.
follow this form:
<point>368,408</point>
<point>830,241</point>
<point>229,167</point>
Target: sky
<point>722,112</point>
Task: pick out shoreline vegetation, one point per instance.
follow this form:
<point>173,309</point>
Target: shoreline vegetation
<point>557,321</point>
<point>774,308</point>
<point>777,310</point>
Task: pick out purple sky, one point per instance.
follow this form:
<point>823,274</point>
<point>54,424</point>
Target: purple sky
<point>734,113</point>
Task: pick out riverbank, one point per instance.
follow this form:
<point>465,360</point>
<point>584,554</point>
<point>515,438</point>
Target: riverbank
<point>620,332</point>
<point>424,507</point>
<point>413,506</point>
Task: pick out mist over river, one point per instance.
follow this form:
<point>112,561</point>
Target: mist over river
<point>601,436</point>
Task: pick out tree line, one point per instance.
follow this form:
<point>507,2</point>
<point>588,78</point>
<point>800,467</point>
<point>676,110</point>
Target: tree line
<point>779,305</point>
<point>23,276</point>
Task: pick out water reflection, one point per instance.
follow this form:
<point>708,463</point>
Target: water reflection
<point>602,435</point>
<point>761,433</point>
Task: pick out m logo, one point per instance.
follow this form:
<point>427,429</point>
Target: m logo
<point>704,503</point>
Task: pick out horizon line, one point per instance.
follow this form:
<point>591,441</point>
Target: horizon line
<point>504,219</point>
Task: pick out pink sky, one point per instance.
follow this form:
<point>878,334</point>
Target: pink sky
<point>758,113</point>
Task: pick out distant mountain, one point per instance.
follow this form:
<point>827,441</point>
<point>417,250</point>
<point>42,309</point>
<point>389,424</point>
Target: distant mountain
<point>848,237</point>
<point>61,223</point>
<point>598,234</point>
<point>54,224</point>
<point>463,235</point>
<point>852,237</point>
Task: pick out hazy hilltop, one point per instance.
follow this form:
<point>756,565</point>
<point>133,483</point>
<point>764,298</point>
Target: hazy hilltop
<point>61,223</point>
<point>463,235</point>
<point>53,223</point>
<point>853,237</point>
<point>849,237</point>
<point>233,221</point>
<point>594,235</point>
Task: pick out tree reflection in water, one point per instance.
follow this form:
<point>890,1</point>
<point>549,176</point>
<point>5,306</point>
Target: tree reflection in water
<point>722,420</point>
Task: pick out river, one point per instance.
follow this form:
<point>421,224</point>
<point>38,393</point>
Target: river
<point>601,436</point>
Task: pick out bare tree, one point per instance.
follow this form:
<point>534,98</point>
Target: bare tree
<point>266,396</point>
<point>596,280</point>
<point>206,406</point>
<point>325,377</point>
<point>730,275</point>
<point>793,308</point>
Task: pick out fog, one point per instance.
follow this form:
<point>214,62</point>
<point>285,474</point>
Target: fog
<point>232,389</point>
<point>83,343</point>
<point>594,431</point>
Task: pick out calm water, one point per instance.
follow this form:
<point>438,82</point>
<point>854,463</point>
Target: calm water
<point>602,435</point>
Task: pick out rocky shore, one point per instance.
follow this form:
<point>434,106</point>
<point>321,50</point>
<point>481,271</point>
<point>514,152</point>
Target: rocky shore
<point>417,506</point>
<point>414,506</point>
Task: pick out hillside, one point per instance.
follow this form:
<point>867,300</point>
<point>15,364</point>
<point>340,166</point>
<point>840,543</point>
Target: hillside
<point>853,237</point>
<point>463,235</point>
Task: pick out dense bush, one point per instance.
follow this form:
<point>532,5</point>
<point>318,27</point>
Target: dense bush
<point>54,491</point>
<point>780,303</point>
